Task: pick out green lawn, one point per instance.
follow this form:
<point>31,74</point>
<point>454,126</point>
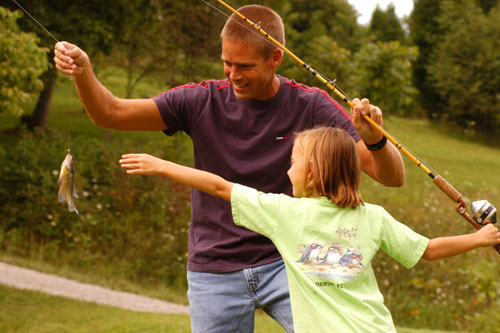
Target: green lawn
<point>30,311</point>
<point>35,312</point>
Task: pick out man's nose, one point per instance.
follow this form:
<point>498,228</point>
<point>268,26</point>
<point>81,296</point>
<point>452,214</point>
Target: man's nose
<point>234,74</point>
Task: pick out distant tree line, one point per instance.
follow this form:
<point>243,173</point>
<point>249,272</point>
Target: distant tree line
<point>442,62</point>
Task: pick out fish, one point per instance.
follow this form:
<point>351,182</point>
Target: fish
<point>67,189</point>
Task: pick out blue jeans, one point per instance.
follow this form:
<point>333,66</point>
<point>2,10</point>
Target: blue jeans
<point>226,302</point>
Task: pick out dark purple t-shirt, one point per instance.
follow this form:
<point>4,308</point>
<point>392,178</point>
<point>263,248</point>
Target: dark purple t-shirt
<point>246,142</point>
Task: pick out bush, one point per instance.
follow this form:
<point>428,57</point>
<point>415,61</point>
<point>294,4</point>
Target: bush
<point>465,68</point>
<point>384,76</point>
<point>22,62</point>
<point>137,223</point>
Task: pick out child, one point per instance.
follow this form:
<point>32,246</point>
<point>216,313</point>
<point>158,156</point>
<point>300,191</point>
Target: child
<point>326,235</point>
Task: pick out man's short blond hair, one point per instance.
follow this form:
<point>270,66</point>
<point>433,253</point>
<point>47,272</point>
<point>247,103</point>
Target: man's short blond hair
<point>236,29</point>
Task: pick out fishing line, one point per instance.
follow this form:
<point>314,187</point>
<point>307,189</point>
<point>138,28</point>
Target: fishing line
<point>24,10</point>
<point>71,78</point>
<point>72,193</point>
<point>69,110</point>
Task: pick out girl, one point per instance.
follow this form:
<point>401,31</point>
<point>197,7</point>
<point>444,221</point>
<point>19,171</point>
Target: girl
<point>326,234</point>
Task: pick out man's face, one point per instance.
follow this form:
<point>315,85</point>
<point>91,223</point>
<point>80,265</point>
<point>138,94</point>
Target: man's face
<point>249,73</point>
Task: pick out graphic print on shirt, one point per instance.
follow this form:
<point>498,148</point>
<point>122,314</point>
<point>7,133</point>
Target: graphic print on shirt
<point>338,260</point>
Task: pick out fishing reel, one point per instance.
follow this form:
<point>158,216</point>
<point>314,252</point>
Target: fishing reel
<point>483,211</point>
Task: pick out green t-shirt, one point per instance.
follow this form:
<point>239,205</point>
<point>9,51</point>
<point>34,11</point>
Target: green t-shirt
<point>327,251</point>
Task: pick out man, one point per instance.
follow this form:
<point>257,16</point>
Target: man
<point>241,129</point>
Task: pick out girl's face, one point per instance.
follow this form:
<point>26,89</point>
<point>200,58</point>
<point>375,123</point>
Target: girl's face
<point>297,171</point>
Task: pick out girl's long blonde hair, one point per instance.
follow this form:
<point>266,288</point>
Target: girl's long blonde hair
<point>332,156</point>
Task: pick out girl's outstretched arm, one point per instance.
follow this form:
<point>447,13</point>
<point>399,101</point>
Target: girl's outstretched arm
<point>444,247</point>
<point>144,164</point>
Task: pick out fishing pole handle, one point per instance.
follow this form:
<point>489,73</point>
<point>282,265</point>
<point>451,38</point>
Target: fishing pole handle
<point>462,210</point>
<point>497,248</point>
<point>447,188</point>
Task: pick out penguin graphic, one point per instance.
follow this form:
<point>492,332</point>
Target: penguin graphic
<point>356,260</point>
<point>311,253</point>
<point>346,258</point>
<point>351,259</point>
<point>332,257</point>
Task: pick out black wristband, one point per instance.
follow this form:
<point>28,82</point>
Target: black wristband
<point>379,145</point>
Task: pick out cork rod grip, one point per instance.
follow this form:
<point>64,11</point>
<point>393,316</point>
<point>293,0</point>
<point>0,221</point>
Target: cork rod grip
<point>447,188</point>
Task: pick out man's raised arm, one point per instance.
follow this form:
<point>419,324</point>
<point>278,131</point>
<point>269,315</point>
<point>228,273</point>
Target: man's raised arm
<point>383,162</point>
<point>103,108</point>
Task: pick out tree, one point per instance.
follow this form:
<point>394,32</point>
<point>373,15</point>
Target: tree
<point>22,62</point>
<point>329,59</point>
<point>89,23</point>
<point>486,5</point>
<point>385,25</point>
<point>383,74</point>
<point>321,33</point>
<point>425,33</point>
<point>173,41</point>
<point>465,67</point>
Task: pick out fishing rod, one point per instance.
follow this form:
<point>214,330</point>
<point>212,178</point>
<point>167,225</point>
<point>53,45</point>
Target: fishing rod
<point>482,212</point>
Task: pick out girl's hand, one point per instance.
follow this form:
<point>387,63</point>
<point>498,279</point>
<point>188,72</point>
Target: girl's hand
<point>142,164</point>
<point>489,235</point>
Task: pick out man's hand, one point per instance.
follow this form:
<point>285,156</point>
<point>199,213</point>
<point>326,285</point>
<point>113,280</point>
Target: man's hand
<point>70,59</point>
<point>361,108</point>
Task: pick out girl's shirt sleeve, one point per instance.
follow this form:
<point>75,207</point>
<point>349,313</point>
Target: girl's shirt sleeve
<point>255,210</point>
<point>400,242</point>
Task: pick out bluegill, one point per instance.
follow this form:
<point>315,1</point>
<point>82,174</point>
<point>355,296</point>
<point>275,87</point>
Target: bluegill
<point>67,190</point>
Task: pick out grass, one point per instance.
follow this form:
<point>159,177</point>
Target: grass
<point>31,311</point>
<point>35,312</point>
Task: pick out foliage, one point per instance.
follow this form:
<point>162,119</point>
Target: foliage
<point>425,33</point>
<point>383,74</point>
<point>385,25</point>
<point>486,5</point>
<point>485,278</point>
<point>465,68</point>
<point>321,33</point>
<point>22,62</point>
<point>88,23</point>
<point>118,214</point>
<point>176,41</point>
<point>306,19</point>
<point>327,57</point>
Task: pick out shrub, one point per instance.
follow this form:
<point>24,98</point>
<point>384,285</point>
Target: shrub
<point>22,62</point>
<point>135,222</point>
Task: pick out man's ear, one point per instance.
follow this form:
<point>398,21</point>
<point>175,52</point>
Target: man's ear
<point>277,57</point>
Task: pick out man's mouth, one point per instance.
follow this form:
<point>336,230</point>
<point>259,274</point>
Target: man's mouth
<point>241,86</point>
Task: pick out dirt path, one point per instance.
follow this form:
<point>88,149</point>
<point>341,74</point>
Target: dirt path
<point>24,278</point>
